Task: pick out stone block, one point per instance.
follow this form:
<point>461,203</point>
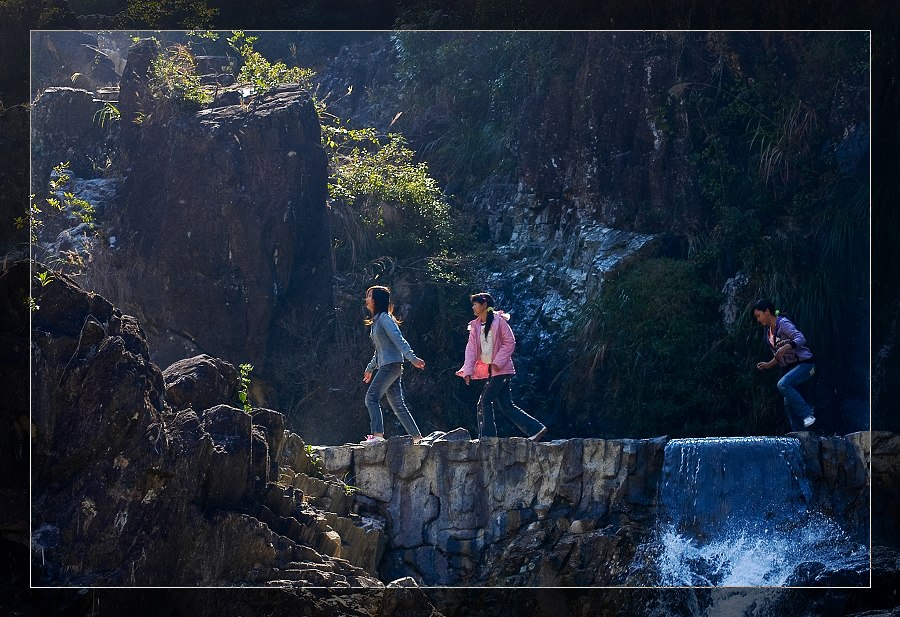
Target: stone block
<point>375,481</point>
<point>336,460</point>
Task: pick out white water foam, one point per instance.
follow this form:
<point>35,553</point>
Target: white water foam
<point>736,512</point>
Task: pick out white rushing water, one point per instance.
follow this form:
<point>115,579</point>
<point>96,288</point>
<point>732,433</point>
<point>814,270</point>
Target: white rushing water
<point>754,557</point>
<point>738,512</point>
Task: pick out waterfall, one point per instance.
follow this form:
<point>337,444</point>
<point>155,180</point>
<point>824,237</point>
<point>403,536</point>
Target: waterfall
<point>741,512</point>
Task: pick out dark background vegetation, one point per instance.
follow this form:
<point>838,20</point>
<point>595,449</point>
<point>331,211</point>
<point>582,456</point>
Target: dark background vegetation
<point>783,197</point>
<point>827,292</point>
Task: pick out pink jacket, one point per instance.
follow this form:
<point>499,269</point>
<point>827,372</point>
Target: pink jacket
<point>504,345</point>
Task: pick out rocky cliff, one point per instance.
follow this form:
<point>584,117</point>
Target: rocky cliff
<point>149,477</point>
<point>219,239</point>
<point>221,232</point>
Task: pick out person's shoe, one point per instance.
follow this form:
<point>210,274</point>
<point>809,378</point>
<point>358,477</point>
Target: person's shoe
<point>537,436</point>
<point>808,421</point>
<point>371,439</point>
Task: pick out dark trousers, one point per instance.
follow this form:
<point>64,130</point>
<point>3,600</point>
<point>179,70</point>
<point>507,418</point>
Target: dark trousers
<point>496,394</point>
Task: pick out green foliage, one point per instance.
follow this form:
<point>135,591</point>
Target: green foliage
<point>244,388</point>
<point>171,13</point>
<point>175,75</point>
<point>108,113</point>
<point>395,197</point>
<point>315,467</point>
<point>44,278</point>
<point>260,73</point>
<point>60,202</point>
<point>652,358</point>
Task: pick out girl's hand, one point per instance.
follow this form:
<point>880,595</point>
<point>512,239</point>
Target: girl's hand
<point>420,364</point>
<point>468,378</point>
<point>367,377</point>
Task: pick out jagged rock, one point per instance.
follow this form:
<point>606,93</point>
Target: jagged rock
<point>66,129</point>
<point>231,255</point>
<point>135,97</point>
<point>201,382</point>
<point>406,581</point>
<point>127,491</point>
<point>838,471</point>
<point>70,57</point>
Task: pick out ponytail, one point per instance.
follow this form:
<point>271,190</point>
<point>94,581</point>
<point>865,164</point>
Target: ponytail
<point>489,318</point>
<point>485,298</point>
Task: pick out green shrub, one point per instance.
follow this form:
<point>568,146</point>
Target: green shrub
<point>175,75</point>
<point>260,73</point>
<point>653,357</point>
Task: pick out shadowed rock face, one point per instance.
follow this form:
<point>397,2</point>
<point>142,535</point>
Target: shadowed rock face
<point>73,57</point>
<point>128,489</point>
<point>66,129</point>
<point>223,223</point>
<point>200,382</point>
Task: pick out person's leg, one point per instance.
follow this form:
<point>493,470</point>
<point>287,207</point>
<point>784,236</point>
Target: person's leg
<point>797,408</point>
<point>485,409</point>
<point>382,379</point>
<point>525,423</point>
<point>398,404</point>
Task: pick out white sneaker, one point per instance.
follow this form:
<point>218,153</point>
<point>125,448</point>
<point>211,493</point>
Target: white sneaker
<point>808,421</point>
<point>371,439</point>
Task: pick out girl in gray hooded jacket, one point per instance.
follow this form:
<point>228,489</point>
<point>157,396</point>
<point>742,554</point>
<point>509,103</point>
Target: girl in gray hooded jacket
<point>391,349</point>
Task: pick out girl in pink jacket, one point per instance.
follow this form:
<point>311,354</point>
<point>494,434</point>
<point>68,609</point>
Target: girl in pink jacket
<point>489,356</point>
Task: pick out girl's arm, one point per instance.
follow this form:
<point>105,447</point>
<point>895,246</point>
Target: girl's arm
<point>473,349</point>
<point>393,332</point>
<point>790,332</point>
<point>506,341</point>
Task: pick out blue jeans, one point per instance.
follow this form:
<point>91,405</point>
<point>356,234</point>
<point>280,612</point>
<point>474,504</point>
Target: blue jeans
<point>387,382</point>
<point>794,405</point>
<point>496,394</point>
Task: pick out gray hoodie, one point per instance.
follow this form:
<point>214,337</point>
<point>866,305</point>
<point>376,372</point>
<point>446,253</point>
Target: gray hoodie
<point>390,346</point>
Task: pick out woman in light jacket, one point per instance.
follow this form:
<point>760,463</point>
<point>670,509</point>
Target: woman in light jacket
<point>390,351</point>
<point>489,356</point>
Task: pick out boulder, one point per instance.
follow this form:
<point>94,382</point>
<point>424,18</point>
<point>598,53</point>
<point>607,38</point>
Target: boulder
<point>201,382</point>
<point>71,57</point>
<point>223,233</point>
<point>128,491</point>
